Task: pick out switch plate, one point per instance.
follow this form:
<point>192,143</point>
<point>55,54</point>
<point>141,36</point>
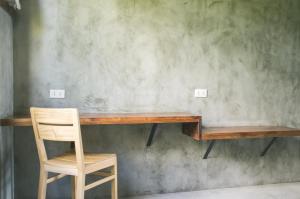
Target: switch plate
<point>57,94</point>
<point>202,93</point>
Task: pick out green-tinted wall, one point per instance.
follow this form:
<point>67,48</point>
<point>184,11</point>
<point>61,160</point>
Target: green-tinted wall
<point>6,105</point>
<point>150,55</point>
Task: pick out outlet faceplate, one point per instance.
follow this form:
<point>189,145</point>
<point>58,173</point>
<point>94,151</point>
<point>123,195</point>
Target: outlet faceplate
<point>202,93</point>
<point>57,94</point>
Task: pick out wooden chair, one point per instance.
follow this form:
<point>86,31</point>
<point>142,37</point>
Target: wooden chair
<point>64,125</point>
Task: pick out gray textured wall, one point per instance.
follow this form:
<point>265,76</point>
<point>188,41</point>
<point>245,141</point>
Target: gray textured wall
<point>150,55</point>
<point>6,105</point>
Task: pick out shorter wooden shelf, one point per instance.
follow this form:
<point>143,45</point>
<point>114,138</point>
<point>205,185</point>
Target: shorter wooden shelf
<point>229,133</point>
<point>213,134</point>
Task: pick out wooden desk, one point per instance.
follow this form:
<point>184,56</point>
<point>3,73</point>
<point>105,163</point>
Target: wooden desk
<point>191,126</point>
<point>190,122</point>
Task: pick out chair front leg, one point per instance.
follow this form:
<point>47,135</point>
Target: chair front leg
<point>42,183</point>
<point>80,185</point>
<point>114,183</point>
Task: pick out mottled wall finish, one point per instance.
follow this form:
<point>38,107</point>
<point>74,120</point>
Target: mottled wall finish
<point>6,105</point>
<point>149,55</point>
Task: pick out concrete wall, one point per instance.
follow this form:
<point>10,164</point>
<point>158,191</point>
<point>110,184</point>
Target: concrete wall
<point>150,55</point>
<point>6,105</point>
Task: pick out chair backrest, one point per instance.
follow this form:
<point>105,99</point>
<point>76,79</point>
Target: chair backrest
<point>57,125</point>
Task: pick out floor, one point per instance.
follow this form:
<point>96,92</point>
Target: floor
<point>275,191</point>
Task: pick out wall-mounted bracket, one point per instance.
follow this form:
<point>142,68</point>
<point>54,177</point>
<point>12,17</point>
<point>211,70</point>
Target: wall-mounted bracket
<point>211,145</point>
<point>151,135</point>
<point>268,147</point>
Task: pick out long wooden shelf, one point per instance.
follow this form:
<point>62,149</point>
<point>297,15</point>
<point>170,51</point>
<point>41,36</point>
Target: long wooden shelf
<point>229,133</point>
<point>190,122</point>
<point>115,118</point>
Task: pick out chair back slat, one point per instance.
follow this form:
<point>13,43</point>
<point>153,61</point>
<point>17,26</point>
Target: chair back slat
<point>54,116</point>
<point>56,132</point>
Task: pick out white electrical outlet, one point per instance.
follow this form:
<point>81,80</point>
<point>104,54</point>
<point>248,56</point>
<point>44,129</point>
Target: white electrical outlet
<point>57,94</point>
<point>201,93</point>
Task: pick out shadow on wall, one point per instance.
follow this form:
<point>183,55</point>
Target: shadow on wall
<point>22,50</point>
<point>27,30</point>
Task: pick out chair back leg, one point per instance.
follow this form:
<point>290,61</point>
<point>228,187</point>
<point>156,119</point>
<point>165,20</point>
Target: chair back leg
<point>73,186</point>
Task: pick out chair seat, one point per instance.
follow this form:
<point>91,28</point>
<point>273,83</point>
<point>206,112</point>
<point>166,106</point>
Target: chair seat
<point>67,164</point>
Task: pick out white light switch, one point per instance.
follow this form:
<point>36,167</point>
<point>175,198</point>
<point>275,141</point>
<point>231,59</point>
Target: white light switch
<point>57,94</point>
<point>201,93</point>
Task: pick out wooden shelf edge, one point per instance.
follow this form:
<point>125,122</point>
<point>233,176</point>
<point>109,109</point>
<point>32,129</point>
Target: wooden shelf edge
<point>192,129</point>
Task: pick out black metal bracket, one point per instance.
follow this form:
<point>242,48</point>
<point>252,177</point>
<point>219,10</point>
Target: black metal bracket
<point>211,145</point>
<point>268,147</point>
<point>151,135</point>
